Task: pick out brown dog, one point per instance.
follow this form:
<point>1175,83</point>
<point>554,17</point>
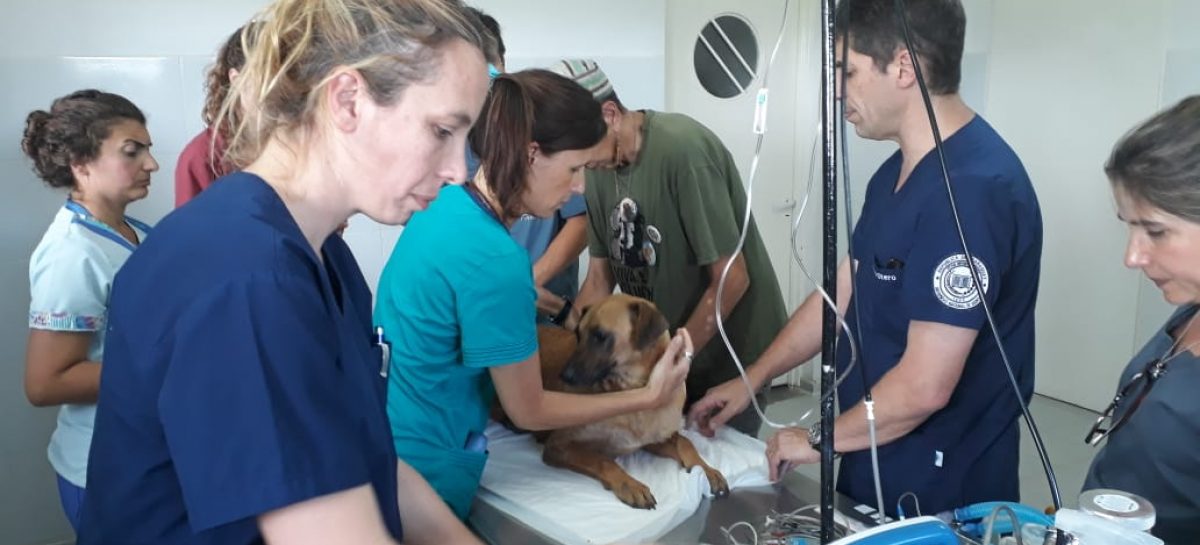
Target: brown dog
<point>618,342</point>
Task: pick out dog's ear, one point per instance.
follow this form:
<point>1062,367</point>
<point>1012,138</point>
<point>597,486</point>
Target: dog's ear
<point>647,324</point>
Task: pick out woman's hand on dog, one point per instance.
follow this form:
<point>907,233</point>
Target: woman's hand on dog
<point>671,370</point>
<point>719,404</point>
<point>787,449</point>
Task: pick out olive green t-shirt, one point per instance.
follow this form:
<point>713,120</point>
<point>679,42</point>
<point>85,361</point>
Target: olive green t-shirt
<point>663,220</point>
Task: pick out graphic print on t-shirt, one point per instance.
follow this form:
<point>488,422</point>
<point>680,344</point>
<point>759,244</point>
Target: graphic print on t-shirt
<point>631,249</point>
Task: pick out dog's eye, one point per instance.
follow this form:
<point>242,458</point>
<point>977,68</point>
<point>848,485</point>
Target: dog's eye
<point>599,336</point>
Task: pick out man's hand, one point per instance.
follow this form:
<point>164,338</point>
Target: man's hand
<point>719,404</point>
<point>788,448</point>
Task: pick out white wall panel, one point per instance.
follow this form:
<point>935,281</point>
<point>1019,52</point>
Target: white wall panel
<point>1067,79</point>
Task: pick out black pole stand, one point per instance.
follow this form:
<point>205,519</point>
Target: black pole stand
<point>829,214</point>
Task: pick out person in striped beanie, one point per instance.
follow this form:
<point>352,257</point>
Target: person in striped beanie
<point>664,216</point>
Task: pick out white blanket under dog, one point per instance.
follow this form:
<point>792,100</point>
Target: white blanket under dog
<point>577,510</point>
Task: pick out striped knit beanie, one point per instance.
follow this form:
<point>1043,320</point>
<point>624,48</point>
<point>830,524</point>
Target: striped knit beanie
<point>586,73</point>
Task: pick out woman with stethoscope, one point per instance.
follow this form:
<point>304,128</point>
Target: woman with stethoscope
<point>1153,425</point>
<point>457,298</point>
<point>95,145</point>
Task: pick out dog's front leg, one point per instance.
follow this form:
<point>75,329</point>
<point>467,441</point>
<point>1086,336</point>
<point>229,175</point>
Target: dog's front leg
<point>581,459</point>
<point>680,449</point>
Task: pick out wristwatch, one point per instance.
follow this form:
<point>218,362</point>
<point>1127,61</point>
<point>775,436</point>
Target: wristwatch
<point>814,438</point>
<point>561,318</point>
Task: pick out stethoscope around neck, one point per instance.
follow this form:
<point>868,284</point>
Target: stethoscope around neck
<point>480,201</point>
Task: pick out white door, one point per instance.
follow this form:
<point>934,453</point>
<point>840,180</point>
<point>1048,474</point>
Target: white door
<point>792,111</point>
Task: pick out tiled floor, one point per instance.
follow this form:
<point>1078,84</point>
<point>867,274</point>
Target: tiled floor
<point>1062,427</point>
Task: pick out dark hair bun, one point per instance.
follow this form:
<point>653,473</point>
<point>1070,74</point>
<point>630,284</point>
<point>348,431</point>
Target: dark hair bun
<point>72,131</point>
<point>46,153</point>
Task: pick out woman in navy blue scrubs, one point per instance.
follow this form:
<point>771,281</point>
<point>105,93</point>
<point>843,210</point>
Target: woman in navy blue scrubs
<point>241,399</point>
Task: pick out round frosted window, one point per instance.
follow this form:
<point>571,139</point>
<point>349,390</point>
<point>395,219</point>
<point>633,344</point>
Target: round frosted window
<point>726,56</point>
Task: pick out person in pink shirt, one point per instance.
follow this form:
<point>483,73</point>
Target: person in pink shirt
<point>201,161</point>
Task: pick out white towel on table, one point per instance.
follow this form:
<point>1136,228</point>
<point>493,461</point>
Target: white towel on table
<point>576,509</point>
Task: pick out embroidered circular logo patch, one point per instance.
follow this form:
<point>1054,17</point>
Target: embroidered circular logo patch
<point>953,285</point>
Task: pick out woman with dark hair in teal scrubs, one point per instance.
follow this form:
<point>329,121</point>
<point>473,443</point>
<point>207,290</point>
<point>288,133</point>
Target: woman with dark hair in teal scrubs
<point>457,300</point>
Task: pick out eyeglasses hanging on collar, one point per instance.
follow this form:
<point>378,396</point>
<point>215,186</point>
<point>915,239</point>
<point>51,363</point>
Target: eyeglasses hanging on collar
<point>1136,390</point>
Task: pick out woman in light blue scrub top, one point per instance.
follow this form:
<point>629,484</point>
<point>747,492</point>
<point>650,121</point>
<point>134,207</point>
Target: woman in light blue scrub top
<point>241,400</point>
<point>456,298</point>
<point>95,146</point>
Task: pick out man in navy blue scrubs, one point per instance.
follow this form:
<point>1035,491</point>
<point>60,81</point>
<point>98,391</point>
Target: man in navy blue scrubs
<point>946,413</point>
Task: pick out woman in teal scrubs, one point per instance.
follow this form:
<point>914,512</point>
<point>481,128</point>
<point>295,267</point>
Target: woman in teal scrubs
<point>456,299</point>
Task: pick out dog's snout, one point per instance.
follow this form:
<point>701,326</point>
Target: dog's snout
<point>585,374</point>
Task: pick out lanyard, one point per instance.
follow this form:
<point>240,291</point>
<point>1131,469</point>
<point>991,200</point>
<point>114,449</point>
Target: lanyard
<point>88,221</point>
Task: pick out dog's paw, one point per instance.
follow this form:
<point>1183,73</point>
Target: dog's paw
<point>635,494</point>
<point>716,483</point>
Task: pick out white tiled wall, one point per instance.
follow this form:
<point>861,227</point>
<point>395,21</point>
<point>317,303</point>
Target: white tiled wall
<point>144,51</point>
<point>1062,109</point>
<point>155,52</point>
